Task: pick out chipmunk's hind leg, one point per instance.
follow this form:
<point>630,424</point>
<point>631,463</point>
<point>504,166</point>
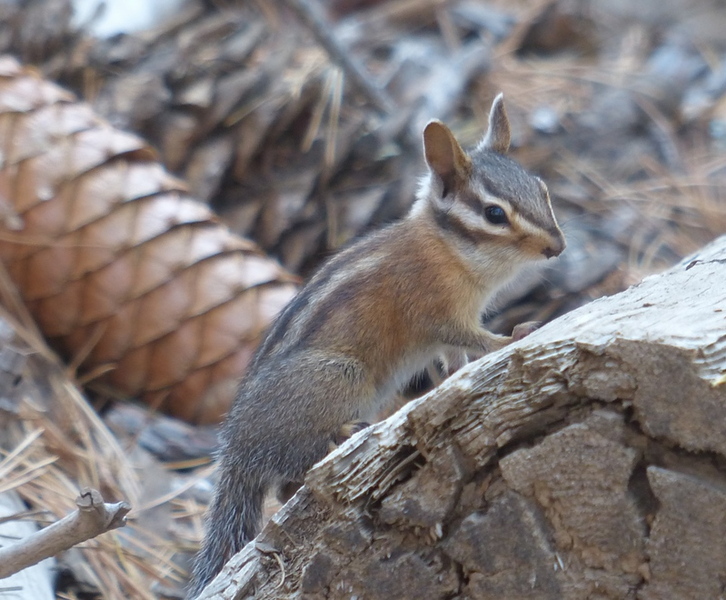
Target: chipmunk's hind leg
<point>288,488</point>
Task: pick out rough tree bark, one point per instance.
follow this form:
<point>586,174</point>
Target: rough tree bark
<point>586,461</point>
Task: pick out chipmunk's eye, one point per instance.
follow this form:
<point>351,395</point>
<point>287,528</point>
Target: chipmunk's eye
<point>496,215</point>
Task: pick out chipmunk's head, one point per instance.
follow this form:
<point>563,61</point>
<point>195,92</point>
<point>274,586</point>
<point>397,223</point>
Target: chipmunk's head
<point>486,200</point>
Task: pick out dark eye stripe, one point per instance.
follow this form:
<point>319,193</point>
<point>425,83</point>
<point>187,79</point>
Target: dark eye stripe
<point>479,208</point>
<point>473,203</point>
<point>522,204</point>
<point>449,222</point>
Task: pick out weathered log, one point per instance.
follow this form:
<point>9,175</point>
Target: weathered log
<point>586,461</point>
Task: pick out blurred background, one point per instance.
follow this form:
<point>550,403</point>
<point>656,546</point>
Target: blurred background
<point>298,122</point>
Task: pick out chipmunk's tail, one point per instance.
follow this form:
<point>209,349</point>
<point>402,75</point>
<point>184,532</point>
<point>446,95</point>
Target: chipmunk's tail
<point>233,519</point>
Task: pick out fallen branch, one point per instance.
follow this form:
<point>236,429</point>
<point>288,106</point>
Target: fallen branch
<point>35,582</point>
<point>92,518</point>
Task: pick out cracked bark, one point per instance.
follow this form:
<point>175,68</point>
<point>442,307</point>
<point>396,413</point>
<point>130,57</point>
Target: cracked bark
<point>586,461</point>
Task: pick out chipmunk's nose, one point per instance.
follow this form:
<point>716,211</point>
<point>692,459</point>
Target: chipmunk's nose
<point>556,246</point>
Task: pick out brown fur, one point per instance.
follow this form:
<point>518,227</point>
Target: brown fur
<point>370,318</point>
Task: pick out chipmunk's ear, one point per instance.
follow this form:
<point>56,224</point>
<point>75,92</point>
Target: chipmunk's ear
<point>445,156</point>
<point>498,135</point>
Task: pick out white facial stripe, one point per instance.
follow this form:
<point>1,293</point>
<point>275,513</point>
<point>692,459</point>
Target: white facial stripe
<point>474,221</point>
<point>466,215</point>
<point>527,226</point>
<point>547,196</point>
<point>508,209</point>
<point>488,198</point>
<point>552,210</point>
<point>512,215</point>
<point>532,230</point>
<point>472,217</point>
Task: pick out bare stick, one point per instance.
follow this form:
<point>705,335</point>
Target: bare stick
<point>92,518</point>
<point>310,13</point>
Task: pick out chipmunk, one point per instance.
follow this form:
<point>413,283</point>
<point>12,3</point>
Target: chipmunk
<point>373,316</point>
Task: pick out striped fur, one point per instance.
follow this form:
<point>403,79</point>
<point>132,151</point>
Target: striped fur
<point>370,318</point>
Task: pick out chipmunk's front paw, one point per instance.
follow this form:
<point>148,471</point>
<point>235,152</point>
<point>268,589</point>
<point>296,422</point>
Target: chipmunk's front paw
<point>524,329</point>
<point>347,431</point>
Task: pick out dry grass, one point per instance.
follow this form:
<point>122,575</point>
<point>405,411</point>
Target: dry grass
<point>55,445</point>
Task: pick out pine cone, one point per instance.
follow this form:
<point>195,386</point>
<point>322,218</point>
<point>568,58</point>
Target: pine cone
<point>119,266</point>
